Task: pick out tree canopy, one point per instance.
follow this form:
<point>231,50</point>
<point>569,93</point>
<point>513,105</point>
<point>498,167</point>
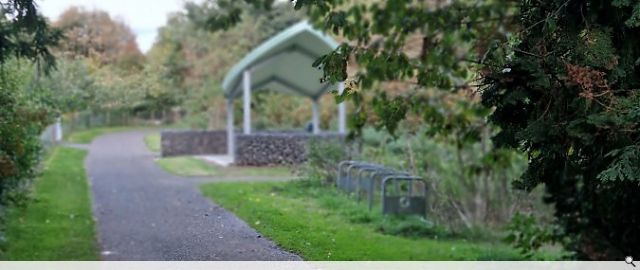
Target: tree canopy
<point>25,34</point>
<point>94,34</point>
<point>568,96</point>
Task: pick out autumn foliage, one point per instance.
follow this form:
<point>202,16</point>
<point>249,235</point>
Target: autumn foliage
<point>94,34</point>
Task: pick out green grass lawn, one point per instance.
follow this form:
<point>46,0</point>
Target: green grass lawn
<point>57,224</point>
<point>319,223</point>
<point>192,166</point>
<point>277,171</point>
<point>87,136</point>
<point>187,166</point>
<point>153,142</point>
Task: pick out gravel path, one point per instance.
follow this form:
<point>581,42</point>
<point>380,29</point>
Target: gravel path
<point>144,213</point>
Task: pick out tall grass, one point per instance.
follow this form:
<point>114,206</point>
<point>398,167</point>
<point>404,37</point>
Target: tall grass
<point>470,185</point>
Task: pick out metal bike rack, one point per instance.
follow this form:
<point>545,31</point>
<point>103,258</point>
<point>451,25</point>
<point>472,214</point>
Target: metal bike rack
<point>404,204</point>
<point>358,176</point>
<point>342,173</point>
<point>346,180</point>
<point>372,183</point>
<point>357,181</point>
<point>347,184</point>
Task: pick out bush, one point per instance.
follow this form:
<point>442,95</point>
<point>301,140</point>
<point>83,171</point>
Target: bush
<point>22,119</point>
<point>322,160</point>
<point>527,235</point>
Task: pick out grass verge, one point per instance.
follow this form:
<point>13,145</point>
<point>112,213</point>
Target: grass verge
<point>187,166</point>
<point>87,136</point>
<point>153,142</point>
<point>57,224</point>
<point>319,223</point>
<point>192,166</point>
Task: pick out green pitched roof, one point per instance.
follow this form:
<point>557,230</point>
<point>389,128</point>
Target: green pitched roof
<point>283,63</point>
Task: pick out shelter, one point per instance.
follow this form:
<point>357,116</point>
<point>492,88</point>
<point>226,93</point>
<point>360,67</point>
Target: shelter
<point>282,63</point>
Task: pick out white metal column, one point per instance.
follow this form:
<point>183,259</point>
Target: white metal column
<point>58,130</point>
<point>231,136</point>
<point>316,115</point>
<point>342,112</point>
<point>246,97</point>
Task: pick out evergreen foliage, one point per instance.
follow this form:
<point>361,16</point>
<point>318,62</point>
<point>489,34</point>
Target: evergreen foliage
<point>25,34</point>
<point>568,96</point>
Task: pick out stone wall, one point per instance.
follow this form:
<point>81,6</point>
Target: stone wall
<point>266,149</point>
<point>177,143</point>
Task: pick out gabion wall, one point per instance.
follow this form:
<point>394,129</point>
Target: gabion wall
<point>177,143</point>
<point>266,149</point>
<point>258,149</point>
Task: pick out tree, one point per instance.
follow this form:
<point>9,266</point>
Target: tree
<point>566,92</point>
<point>25,34</point>
<point>72,84</point>
<point>560,75</point>
<point>103,69</point>
<point>94,34</point>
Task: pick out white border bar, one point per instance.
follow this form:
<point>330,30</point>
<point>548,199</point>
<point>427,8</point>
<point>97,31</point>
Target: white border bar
<point>507,265</point>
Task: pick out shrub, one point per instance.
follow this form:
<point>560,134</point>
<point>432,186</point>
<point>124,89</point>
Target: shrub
<point>323,157</point>
<point>527,235</point>
<point>22,119</point>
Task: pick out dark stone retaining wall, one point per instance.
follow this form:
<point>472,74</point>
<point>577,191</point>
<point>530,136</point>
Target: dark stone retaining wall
<point>258,149</point>
<point>275,148</point>
<point>209,142</point>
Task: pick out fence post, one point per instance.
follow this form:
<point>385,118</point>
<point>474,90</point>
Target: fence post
<point>58,130</point>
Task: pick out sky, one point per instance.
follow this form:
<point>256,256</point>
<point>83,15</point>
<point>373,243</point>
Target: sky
<point>143,16</point>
